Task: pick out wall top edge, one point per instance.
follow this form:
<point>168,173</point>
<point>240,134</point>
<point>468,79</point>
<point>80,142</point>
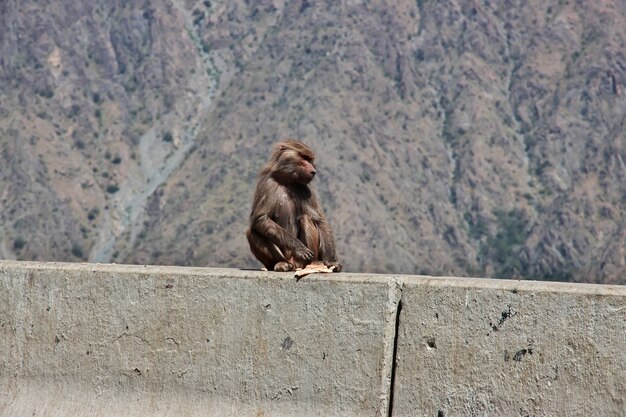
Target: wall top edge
<point>406,281</point>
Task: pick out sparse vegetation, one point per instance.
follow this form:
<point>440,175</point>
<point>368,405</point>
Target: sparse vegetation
<point>503,248</point>
<point>19,243</point>
<point>74,110</point>
<point>77,251</point>
<point>477,226</point>
<point>46,92</point>
<point>93,214</point>
<point>198,17</point>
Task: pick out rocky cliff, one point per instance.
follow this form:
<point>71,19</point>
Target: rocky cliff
<point>454,137</point>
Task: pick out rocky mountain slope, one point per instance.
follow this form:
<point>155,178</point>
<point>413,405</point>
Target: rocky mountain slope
<point>454,137</point>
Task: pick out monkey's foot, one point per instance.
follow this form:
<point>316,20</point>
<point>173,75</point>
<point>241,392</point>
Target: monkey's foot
<point>283,267</point>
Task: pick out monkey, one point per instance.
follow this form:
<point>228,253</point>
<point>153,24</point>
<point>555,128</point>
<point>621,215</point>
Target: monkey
<point>288,229</point>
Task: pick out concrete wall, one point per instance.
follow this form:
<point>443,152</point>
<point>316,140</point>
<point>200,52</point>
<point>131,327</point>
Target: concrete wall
<point>110,340</point>
<point>510,348</point>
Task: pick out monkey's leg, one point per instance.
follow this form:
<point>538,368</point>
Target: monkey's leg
<point>319,234</point>
<point>309,234</point>
<point>268,253</point>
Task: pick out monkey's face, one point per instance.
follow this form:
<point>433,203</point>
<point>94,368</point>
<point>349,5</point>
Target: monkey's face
<point>306,171</point>
<point>294,167</point>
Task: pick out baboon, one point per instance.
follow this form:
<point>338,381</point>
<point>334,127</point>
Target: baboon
<point>288,229</point>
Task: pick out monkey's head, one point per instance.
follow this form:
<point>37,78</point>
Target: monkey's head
<point>293,162</point>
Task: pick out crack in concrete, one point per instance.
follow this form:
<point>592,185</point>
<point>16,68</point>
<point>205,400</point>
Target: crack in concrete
<point>134,336</point>
<point>392,313</point>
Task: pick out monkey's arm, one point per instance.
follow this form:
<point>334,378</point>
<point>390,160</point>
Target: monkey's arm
<point>263,225</point>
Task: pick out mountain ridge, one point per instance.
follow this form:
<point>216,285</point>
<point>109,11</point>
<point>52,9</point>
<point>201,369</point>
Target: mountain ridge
<point>453,138</point>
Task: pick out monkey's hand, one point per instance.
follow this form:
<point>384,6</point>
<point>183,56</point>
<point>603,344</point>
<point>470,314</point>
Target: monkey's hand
<point>336,264</point>
<point>302,252</point>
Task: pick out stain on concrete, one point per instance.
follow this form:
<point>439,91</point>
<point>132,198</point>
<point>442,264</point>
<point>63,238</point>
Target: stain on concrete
<point>521,353</point>
<point>287,343</point>
<point>504,316</point>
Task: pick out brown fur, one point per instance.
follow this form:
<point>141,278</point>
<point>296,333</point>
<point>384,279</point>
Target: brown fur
<point>288,229</point>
